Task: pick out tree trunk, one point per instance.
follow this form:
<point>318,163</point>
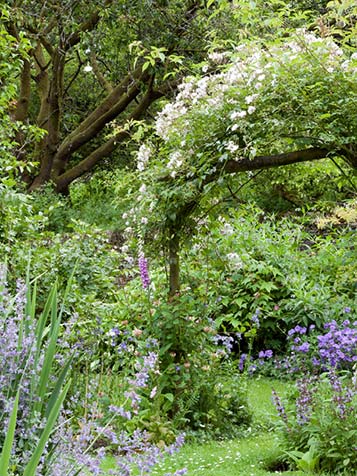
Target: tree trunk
<point>54,100</point>
<point>174,263</point>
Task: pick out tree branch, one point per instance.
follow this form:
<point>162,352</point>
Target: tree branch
<point>86,135</point>
<point>267,161</point>
<point>74,77</point>
<point>22,107</point>
<point>106,149</point>
<point>99,75</point>
<point>114,104</point>
<point>41,37</point>
<point>88,25</point>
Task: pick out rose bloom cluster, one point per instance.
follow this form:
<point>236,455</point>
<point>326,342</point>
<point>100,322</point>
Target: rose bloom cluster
<point>237,93</point>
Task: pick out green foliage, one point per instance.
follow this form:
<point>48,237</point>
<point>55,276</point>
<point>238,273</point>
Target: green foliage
<point>31,380</point>
<point>98,200</point>
<point>308,186</point>
<point>20,220</point>
<point>53,257</point>
<point>248,261</point>
<point>9,438</point>
<point>194,385</point>
<point>319,424</point>
<point>221,409</point>
<point>265,99</point>
<point>194,368</point>
<point>13,52</point>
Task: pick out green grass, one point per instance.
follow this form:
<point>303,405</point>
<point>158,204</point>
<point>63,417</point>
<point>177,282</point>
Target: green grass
<point>248,456</point>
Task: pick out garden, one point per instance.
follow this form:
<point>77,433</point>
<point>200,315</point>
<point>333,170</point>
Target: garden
<point>178,216</point>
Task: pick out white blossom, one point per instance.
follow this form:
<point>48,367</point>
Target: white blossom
<point>250,99</point>
<point>175,162</point>
<point>237,114</point>
<point>143,156</point>
<point>217,57</point>
<point>167,117</point>
<point>235,260</point>
<point>232,146</point>
<point>227,230</point>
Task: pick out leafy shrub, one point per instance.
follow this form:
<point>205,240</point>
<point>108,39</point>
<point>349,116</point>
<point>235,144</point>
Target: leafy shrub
<point>33,388</point>
<point>195,371</point>
<point>318,423</point>
<point>194,386</point>
<point>318,420</point>
<point>18,219</point>
<point>249,261</point>
<point>219,406</point>
<point>53,257</point>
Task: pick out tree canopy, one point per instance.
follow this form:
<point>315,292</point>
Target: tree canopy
<point>93,66</point>
<point>269,104</point>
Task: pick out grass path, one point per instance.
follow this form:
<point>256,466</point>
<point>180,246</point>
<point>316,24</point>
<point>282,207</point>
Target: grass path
<point>247,456</point>
<point>242,457</point>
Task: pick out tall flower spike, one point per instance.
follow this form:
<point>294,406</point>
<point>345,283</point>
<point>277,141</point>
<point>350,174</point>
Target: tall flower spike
<point>144,273</point>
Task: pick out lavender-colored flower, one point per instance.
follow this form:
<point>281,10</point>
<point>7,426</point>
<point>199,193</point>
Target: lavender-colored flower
<point>306,388</point>
<point>343,395</point>
<point>255,319</point>
<point>144,272</point>
<point>338,347</point>
<point>226,341</point>
<point>297,330</point>
<point>280,407</point>
<point>251,369</point>
<point>304,348</point>
<point>242,360</point>
<point>120,411</point>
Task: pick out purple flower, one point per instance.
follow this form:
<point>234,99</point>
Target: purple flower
<point>338,346</point>
<point>226,341</point>
<point>144,273</point>
<point>297,330</point>
<point>255,319</point>
<point>242,359</point>
<point>306,388</point>
<point>304,348</point>
<point>279,407</point>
